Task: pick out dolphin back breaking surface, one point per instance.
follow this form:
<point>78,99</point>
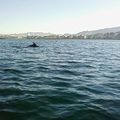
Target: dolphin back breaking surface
<point>33,45</point>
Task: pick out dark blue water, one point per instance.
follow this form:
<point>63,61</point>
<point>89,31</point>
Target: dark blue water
<point>60,80</point>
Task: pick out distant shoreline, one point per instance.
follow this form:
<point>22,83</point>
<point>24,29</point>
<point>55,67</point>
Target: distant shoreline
<point>53,39</point>
<point>107,33</point>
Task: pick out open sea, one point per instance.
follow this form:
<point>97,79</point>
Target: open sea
<point>60,80</point>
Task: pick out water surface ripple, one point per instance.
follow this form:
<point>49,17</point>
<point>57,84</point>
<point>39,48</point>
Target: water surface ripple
<point>60,80</point>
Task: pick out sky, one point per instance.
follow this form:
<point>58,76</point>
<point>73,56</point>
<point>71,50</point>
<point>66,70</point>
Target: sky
<point>58,16</point>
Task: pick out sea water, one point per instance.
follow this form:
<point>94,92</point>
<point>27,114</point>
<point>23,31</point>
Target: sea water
<point>60,80</point>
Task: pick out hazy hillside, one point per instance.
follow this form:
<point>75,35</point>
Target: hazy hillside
<point>103,31</point>
<point>107,33</point>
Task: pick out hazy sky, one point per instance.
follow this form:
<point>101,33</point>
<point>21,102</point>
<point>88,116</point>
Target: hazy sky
<point>58,16</point>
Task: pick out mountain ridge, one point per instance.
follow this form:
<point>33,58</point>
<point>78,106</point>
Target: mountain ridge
<point>104,30</point>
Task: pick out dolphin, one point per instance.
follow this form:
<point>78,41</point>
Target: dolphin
<point>33,45</point>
